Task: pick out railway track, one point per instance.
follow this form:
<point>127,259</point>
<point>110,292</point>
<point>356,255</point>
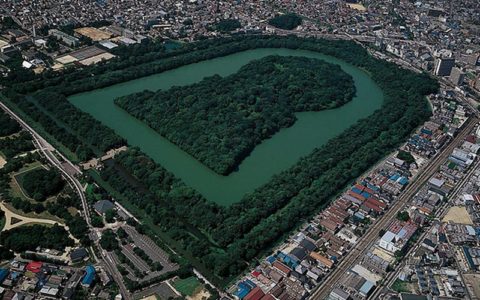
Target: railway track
<point>372,234</point>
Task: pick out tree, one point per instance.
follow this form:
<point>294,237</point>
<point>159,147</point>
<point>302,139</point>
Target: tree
<point>109,241</point>
<point>121,233</point>
<point>406,156</point>
<point>41,183</point>
<point>227,25</point>
<point>97,221</point>
<point>403,216</point>
<point>287,21</point>
<point>221,120</point>
<point>8,126</point>
<point>110,216</point>
<point>24,238</point>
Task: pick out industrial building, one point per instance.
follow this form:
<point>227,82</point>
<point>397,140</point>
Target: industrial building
<point>443,66</point>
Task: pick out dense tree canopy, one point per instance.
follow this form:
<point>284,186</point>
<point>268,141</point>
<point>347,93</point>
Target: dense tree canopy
<point>41,183</point>
<point>227,25</point>
<point>25,238</point>
<point>221,120</point>
<point>287,21</point>
<point>92,131</point>
<point>109,240</point>
<point>15,145</point>
<point>406,156</point>
<point>8,126</point>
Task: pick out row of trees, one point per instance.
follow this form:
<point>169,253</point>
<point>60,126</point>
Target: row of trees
<point>74,144</point>
<point>90,130</point>
<point>219,120</point>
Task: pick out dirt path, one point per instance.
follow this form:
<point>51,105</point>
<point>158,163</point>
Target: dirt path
<point>27,220</point>
<point>3,161</point>
<point>23,220</point>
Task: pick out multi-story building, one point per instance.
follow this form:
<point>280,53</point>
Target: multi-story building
<point>443,66</point>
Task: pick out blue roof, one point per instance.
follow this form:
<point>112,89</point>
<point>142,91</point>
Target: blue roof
<point>271,259</point>
<point>241,293</point>
<point>403,180</point>
<point>15,275</point>
<point>3,274</point>
<point>366,287</point>
<point>356,191</point>
<point>426,131</point>
<point>395,177</point>
<point>250,283</point>
<point>89,276</point>
<point>365,194</point>
<point>244,288</point>
<point>359,215</point>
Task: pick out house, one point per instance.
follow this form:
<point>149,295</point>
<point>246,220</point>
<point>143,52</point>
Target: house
<point>255,294</point>
<point>298,253</point>
<point>34,266</point>
<point>102,206</point>
<point>396,238</point>
<point>78,255</point>
<point>282,268</point>
<point>322,259</point>
<point>339,294</point>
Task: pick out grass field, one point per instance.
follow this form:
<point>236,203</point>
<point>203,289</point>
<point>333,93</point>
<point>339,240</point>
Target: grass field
<point>188,286</point>
<point>401,286</point>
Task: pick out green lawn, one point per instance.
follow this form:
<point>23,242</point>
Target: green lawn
<point>401,286</point>
<point>187,286</point>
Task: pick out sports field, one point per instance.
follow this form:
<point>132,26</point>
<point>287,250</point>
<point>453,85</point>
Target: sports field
<point>188,286</point>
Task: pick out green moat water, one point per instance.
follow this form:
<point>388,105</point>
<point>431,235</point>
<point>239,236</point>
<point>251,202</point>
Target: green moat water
<point>310,131</point>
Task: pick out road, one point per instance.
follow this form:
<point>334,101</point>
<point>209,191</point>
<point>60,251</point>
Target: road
<point>51,154</point>
<point>439,214</point>
<point>371,236</point>
<point>47,150</point>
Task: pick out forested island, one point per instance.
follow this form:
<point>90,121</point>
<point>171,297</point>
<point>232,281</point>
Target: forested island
<point>219,120</point>
<point>220,240</point>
